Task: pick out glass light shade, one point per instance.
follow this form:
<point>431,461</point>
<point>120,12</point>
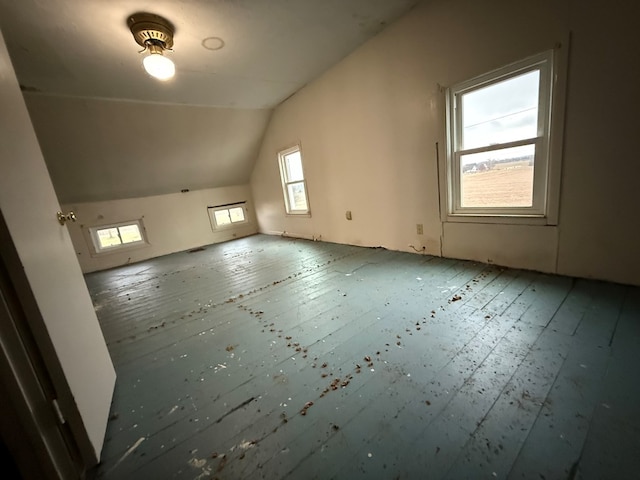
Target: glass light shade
<point>159,66</point>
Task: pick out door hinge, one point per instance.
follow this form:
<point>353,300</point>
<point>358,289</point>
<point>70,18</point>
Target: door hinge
<point>56,408</point>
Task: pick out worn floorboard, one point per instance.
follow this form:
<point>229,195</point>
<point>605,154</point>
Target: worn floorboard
<point>268,358</point>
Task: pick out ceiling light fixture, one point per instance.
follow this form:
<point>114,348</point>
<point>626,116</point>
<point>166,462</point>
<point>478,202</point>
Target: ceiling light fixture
<point>155,34</point>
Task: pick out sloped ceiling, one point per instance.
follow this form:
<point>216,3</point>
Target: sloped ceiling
<point>104,150</point>
<point>204,127</point>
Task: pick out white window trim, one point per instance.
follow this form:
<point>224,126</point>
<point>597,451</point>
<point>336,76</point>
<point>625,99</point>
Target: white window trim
<point>547,176</point>
<point>285,183</point>
<point>94,242</point>
<point>217,208</point>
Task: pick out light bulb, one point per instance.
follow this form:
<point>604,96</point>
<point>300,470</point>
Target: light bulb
<point>159,66</point>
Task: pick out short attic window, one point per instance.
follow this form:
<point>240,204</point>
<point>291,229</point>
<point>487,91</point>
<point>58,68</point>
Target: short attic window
<point>227,215</point>
<point>108,238</point>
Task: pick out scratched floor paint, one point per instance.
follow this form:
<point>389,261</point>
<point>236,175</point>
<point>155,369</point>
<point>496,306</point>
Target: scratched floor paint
<point>274,358</point>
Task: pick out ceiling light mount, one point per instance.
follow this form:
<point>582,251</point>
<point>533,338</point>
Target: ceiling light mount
<point>155,34</point>
<point>150,29</point>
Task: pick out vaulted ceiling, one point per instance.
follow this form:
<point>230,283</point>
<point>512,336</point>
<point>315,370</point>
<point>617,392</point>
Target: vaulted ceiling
<point>237,59</point>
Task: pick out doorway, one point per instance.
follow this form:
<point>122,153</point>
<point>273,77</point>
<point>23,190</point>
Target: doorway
<point>36,438</point>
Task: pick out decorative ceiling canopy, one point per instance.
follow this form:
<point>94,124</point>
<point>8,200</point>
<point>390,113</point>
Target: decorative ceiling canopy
<point>155,34</point>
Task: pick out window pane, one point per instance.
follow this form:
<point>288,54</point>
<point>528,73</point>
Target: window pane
<point>293,165</point>
<point>502,112</point>
<point>236,214</point>
<point>222,217</point>
<point>130,233</point>
<point>502,178</point>
<point>297,197</point>
<point>108,237</point>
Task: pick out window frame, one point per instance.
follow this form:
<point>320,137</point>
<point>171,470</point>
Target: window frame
<point>286,183</point>
<point>212,217</point>
<point>95,239</point>
<point>545,184</point>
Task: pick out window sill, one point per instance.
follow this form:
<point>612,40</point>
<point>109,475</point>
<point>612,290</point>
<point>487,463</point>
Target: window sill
<point>298,215</point>
<point>500,219</point>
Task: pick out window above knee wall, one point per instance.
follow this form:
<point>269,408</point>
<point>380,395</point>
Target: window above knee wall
<point>504,143</point>
<point>117,237</point>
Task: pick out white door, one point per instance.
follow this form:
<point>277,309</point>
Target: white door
<point>28,204</point>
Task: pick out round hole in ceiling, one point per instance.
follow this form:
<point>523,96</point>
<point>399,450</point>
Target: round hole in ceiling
<point>213,43</point>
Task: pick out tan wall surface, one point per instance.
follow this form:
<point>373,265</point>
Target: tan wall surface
<point>599,227</point>
<point>173,223</point>
<point>369,127</point>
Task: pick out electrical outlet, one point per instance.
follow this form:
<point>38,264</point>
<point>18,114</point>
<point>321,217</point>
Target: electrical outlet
<point>419,229</point>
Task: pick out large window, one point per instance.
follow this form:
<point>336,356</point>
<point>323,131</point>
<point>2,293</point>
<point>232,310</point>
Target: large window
<point>117,236</point>
<point>227,215</point>
<point>293,183</point>
<point>498,129</point>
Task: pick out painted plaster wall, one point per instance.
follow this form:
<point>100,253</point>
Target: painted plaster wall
<point>369,126</point>
<point>29,204</point>
<point>600,227</point>
<point>99,149</point>
<point>173,223</point>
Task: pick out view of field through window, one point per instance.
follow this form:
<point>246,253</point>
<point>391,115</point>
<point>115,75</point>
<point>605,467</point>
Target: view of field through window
<point>500,174</point>
<point>505,184</point>
<point>297,196</point>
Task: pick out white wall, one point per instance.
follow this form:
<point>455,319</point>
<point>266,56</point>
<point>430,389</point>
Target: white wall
<point>173,223</point>
<point>29,205</point>
<point>368,129</point>
<point>99,149</point>
<point>599,230</point>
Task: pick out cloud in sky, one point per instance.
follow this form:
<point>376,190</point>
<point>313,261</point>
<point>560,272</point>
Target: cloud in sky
<point>501,112</point>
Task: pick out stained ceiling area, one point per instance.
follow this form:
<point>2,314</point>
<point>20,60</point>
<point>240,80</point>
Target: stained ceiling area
<point>230,55</point>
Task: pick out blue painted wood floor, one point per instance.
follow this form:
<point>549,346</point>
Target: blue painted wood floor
<point>277,358</point>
